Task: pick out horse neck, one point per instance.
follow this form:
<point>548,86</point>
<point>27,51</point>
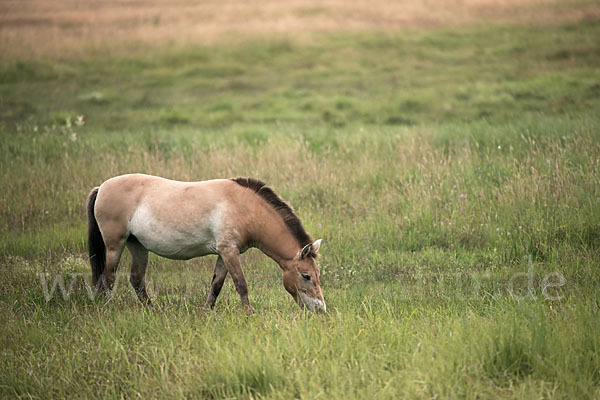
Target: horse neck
<point>272,236</point>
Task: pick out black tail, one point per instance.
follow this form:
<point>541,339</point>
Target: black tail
<point>95,241</point>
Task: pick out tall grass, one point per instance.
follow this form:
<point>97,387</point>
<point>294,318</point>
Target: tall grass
<point>454,176</point>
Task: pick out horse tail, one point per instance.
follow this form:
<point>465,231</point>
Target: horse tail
<point>95,240</point>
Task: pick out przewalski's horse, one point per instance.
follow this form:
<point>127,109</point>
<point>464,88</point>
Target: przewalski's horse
<point>183,220</point>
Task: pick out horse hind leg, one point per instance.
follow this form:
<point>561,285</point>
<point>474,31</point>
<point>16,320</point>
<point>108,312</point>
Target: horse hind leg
<point>114,249</point>
<point>139,261</point>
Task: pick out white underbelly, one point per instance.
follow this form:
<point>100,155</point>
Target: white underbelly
<point>195,239</point>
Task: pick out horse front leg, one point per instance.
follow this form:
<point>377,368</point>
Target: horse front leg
<point>231,259</point>
<point>217,283</point>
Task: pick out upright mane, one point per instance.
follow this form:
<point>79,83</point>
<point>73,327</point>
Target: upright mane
<point>283,209</point>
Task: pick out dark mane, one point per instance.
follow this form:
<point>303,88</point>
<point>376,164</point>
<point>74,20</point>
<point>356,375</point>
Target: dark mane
<point>285,211</point>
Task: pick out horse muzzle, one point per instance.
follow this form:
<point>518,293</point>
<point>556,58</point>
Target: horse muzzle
<point>312,304</point>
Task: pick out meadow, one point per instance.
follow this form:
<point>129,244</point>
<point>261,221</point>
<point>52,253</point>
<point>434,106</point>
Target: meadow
<point>453,171</point>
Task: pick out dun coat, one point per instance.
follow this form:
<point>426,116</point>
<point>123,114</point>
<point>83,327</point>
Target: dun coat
<point>183,220</point>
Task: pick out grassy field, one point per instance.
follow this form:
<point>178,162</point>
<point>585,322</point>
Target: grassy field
<point>453,171</point>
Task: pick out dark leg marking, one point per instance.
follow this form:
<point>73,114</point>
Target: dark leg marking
<point>217,283</point>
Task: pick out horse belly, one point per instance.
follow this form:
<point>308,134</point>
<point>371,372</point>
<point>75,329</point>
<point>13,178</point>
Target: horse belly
<point>167,240</point>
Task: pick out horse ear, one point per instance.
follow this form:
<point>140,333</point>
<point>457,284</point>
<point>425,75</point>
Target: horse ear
<point>305,251</point>
<point>316,245</point>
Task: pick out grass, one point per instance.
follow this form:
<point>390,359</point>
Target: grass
<point>66,30</point>
<point>369,78</point>
<point>453,174</point>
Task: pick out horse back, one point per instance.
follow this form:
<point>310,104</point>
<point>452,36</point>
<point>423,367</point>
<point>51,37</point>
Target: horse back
<point>174,219</point>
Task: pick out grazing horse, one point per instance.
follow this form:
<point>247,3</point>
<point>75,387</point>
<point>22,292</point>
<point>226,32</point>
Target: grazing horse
<point>183,220</point>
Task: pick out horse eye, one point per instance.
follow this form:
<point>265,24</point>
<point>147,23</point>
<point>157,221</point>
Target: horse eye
<point>306,277</point>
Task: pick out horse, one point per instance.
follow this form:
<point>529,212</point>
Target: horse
<point>184,220</point>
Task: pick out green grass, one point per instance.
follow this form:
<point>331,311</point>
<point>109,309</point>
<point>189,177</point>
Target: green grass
<point>375,79</point>
<point>453,174</point>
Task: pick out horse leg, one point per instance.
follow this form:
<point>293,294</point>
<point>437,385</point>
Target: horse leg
<point>217,283</point>
<point>231,258</point>
<point>137,277</point>
<point>113,255</point>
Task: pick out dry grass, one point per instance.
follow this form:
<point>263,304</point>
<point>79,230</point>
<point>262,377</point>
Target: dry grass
<point>64,29</point>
